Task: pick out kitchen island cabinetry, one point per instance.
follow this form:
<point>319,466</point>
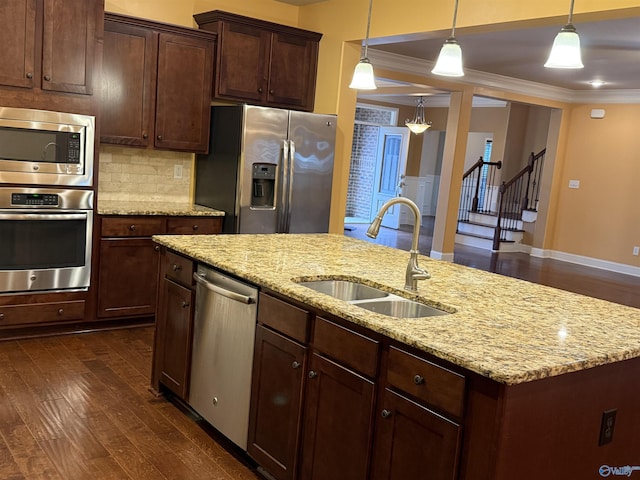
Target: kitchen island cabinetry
<point>279,369</point>
<point>156,87</point>
<point>263,63</point>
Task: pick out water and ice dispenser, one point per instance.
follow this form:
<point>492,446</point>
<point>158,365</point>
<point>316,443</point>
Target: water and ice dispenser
<point>263,185</point>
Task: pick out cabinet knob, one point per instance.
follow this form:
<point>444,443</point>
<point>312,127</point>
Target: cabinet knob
<point>386,413</point>
<point>295,364</point>
<point>260,90</point>
<point>313,374</point>
<point>29,75</point>
<point>1,316</point>
<point>132,227</point>
<point>60,311</point>
<point>195,227</point>
<point>271,92</point>
<point>159,137</point>
<point>47,77</point>
<point>176,267</point>
<point>418,379</point>
<point>185,304</point>
<point>157,248</point>
<point>145,136</point>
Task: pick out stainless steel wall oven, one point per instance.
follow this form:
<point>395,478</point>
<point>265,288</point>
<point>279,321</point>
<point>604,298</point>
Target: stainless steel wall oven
<point>45,239</point>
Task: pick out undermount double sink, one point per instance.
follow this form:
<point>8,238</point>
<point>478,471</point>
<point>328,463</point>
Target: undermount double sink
<point>372,299</point>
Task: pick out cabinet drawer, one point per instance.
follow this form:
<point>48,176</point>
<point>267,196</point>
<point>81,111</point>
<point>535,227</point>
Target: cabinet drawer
<point>194,225</point>
<point>284,318</point>
<point>346,346</point>
<point>132,226</point>
<point>426,381</point>
<point>41,313</point>
<point>179,269</point>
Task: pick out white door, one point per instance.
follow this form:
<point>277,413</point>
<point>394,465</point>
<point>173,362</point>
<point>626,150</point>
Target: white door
<point>391,164</point>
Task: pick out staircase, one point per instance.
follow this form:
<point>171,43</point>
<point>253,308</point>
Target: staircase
<point>492,216</point>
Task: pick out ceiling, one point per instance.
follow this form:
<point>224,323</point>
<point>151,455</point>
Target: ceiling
<point>610,53</point>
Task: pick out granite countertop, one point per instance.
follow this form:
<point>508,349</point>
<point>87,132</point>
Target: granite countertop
<point>506,329</point>
<point>117,207</point>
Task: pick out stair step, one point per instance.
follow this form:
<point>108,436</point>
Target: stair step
<point>485,237</point>
<point>480,241</point>
<point>467,222</point>
<point>492,220</point>
<point>488,231</point>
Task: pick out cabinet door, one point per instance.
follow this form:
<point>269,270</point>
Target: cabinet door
<point>276,402</point>
<point>68,45</point>
<point>128,78</point>
<point>242,62</point>
<point>128,277</point>
<point>17,37</point>
<point>185,75</point>
<point>413,443</point>
<point>338,423</point>
<point>175,319</point>
<point>292,71</point>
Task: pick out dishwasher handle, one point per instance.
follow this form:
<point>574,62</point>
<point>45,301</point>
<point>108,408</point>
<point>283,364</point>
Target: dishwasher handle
<point>238,297</point>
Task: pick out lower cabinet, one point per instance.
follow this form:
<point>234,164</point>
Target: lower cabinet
<point>279,365</point>
<point>413,441</point>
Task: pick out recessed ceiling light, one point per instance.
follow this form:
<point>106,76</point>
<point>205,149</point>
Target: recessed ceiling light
<point>597,83</point>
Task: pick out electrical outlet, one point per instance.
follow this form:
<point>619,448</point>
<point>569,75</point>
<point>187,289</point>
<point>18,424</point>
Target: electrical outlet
<point>177,171</point>
<point>636,251</point>
<point>574,183</point>
<point>606,426</point>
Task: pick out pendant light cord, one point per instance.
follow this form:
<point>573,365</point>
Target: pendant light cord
<point>570,12</point>
<point>366,38</point>
<point>455,15</point>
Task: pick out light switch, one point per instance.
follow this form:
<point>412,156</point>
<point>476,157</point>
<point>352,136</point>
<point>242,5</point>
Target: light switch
<point>574,183</point>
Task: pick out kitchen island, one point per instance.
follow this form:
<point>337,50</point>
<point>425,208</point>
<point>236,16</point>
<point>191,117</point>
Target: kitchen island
<point>542,366</point>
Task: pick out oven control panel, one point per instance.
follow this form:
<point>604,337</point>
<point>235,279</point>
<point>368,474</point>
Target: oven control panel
<point>51,199</point>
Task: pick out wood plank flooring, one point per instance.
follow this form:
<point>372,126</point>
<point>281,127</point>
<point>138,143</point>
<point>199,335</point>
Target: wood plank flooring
<point>78,407</point>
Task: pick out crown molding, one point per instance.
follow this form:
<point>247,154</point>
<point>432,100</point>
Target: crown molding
<point>416,66</point>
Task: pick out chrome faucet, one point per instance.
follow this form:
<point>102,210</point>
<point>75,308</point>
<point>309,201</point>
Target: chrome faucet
<point>414,272</point>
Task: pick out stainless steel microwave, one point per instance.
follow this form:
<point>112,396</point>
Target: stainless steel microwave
<point>39,147</point>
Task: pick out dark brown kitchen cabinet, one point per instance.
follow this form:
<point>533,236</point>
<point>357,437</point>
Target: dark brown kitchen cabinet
<point>49,44</point>
<point>340,395</point>
<point>175,323</point>
<point>414,434</point>
<point>262,62</point>
<point>156,85</point>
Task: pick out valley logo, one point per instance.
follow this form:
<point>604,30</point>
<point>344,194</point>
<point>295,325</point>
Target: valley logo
<point>626,471</point>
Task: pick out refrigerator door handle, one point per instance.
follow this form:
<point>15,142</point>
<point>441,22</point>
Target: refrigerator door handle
<point>284,177</point>
<point>292,161</point>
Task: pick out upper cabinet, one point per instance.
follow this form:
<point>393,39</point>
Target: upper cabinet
<point>262,62</point>
<point>156,85</point>
<point>49,46</point>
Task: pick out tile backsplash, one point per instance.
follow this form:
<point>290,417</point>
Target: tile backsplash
<point>133,174</point>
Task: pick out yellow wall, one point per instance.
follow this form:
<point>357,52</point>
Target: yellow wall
<point>601,218</point>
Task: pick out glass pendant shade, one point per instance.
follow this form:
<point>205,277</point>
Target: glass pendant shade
<point>363,77</point>
<point>449,63</point>
<point>418,124</point>
<point>565,52</point>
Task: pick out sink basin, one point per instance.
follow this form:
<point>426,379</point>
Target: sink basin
<point>400,308</point>
<point>345,290</point>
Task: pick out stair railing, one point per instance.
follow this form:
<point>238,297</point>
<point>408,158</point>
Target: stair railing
<point>516,195</point>
<point>478,190</point>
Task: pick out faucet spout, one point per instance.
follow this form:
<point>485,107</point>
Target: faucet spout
<point>414,271</point>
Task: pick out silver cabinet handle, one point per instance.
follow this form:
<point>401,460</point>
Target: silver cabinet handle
<point>418,379</point>
<point>313,374</point>
<point>295,364</point>
<point>386,413</point>
<point>238,297</point>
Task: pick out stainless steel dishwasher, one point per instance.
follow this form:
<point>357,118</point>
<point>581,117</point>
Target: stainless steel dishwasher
<point>222,355</point>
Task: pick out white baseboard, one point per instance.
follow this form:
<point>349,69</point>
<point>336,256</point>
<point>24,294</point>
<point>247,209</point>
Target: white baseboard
<point>586,261</point>
<point>447,257</point>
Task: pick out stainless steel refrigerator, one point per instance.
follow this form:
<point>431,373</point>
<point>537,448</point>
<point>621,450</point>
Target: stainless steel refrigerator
<point>270,170</point>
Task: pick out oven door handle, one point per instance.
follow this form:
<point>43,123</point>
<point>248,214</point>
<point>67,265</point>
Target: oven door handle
<point>43,216</point>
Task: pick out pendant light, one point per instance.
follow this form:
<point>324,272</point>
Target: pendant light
<point>363,78</point>
<point>418,124</point>
<point>565,52</point>
<point>449,63</point>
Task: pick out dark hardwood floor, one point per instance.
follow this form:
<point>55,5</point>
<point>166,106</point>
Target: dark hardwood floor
<point>78,407</point>
<point>593,282</point>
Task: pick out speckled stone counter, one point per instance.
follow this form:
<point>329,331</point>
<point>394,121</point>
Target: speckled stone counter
<point>506,329</point>
<point>115,207</point>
